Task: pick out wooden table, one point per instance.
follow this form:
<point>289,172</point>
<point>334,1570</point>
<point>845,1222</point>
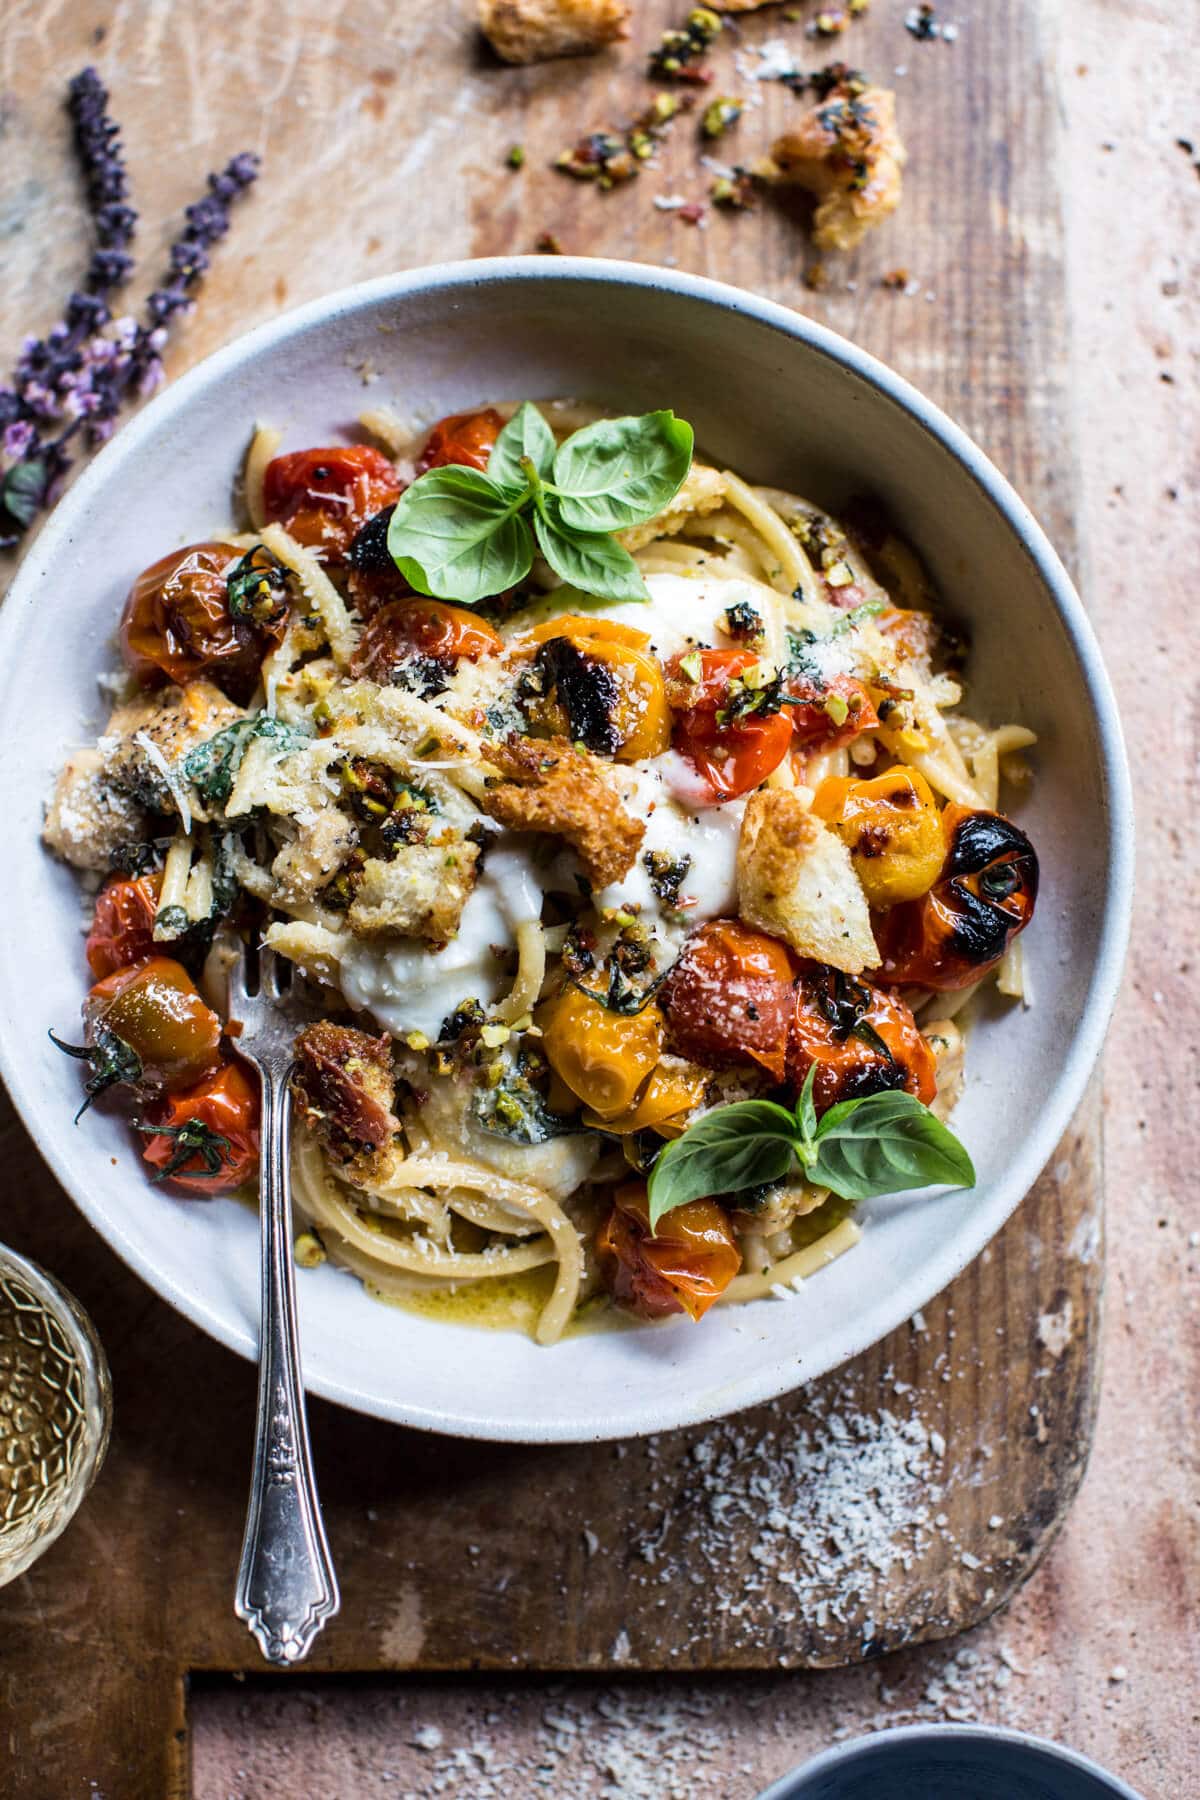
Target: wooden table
<point>334,97</point>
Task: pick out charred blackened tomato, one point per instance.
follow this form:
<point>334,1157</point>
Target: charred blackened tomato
<point>729,1000</point>
<point>983,897</point>
<point>683,1266</point>
<point>122,930</point>
<point>323,497</point>
<point>205,1139</point>
<point>729,723</point>
<point>177,625</point>
<point>862,1040</point>
<point>372,577</point>
<point>467,439</point>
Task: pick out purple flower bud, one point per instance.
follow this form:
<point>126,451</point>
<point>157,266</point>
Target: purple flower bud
<point>17,439</point>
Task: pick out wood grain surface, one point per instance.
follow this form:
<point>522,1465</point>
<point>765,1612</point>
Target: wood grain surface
<point>384,134</point>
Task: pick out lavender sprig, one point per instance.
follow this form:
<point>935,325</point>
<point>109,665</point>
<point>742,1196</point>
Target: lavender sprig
<point>80,375</point>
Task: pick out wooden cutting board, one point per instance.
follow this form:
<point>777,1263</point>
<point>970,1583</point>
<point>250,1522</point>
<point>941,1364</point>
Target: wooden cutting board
<point>903,1497</point>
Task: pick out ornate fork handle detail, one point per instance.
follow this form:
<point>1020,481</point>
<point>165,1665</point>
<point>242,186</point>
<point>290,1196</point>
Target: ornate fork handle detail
<point>286,1585</point>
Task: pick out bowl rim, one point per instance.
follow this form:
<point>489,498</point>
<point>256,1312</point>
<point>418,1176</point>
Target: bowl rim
<point>841,1756</point>
<point>772,1376</point>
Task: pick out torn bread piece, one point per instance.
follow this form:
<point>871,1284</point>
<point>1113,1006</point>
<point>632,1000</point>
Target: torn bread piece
<point>548,785</point>
<point>847,152</point>
<point>526,31</point>
<point>796,881</point>
<point>88,820</point>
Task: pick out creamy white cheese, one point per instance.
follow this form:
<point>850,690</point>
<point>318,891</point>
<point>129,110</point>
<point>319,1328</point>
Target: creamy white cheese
<point>662,793</point>
<point>683,611</point>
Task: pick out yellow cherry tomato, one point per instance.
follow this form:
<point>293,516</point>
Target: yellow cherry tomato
<point>893,830</point>
<point>642,718</point>
<point>667,1096</point>
<point>602,1056</point>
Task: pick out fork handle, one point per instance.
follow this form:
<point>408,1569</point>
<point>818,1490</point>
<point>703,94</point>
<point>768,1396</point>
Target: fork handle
<point>286,1586</point>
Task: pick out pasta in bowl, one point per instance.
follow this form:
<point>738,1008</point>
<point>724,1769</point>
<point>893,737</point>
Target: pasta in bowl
<point>623,819</point>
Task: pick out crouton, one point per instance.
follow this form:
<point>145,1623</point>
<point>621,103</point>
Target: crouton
<point>322,843</point>
<point>847,152</point>
<point>87,819</point>
<point>525,31</point>
<point>174,720</point>
<point>550,786</point>
<point>703,491</point>
<point>420,893</point>
<point>345,1093</point>
<point>796,881</point>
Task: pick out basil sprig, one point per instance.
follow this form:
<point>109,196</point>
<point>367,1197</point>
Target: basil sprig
<point>460,534</point>
<point>879,1144</point>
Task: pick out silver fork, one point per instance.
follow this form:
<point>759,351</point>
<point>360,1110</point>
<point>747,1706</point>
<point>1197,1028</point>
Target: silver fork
<point>286,1587</point>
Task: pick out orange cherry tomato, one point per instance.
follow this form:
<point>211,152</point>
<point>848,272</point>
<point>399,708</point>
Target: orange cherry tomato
<point>823,718</point>
<point>892,828</point>
<point>984,896</point>
<point>683,1266</point>
<point>602,1056</point>
<point>603,687</point>
<point>464,438</point>
<point>207,1136</point>
<point>157,1013</point>
<point>729,999</point>
<point>323,497</point>
<point>732,751</point>
<point>862,1039</point>
<point>123,924</point>
<point>403,629</point>
<point>177,626</point>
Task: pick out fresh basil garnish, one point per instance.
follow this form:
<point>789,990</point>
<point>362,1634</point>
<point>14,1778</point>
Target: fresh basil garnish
<point>212,767</point>
<point>878,1144</point>
<point>463,534</point>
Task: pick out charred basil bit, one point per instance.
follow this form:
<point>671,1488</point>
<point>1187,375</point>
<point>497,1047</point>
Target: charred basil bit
<point>985,837</point>
<point>368,553</point>
<point>111,1060</point>
<point>419,674</point>
<point>259,588</point>
<point>842,1002</point>
<point>743,622</point>
<point>139,859</point>
<point>867,1034</point>
<point>586,690</point>
<point>468,1016</point>
<point>642,1150</point>
<point>579,950</point>
<point>871,1078</point>
<point>667,874</point>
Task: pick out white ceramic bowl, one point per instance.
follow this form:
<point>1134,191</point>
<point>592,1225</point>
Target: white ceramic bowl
<point>782,401</point>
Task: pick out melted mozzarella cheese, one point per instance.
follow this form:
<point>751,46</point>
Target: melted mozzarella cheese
<point>683,611</point>
<point>663,794</point>
<point>408,986</point>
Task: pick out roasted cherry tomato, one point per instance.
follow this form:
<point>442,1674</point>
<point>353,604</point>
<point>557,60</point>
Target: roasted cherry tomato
<point>177,625</point>
<point>206,1140</point>
<point>600,685</point>
<point>122,924</point>
<point>682,1267</point>
<point>984,896</point>
<point>729,998</point>
<point>372,578</point>
<point>155,1012</point>
<point>323,497</point>
<point>464,438</point>
<point>732,747</point>
<point>602,1056</point>
<point>892,829</point>
<point>825,717</point>
<point>862,1039</point>
<point>404,629</point>
<point>661,1105</point>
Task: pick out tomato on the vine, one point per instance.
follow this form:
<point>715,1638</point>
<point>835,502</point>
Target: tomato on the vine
<point>861,1039</point>
<point>205,1138</point>
<point>177,625</point>
<point>156,1012</point>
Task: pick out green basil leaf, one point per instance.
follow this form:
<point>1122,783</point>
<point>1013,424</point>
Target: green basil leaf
<point>456,535</point>
<point>806,1111</point>
<point>619,472</point>
<point>884,1143</point>
<point>526,434</point>
<point>732,1147</point>
<point>22,491</point>
<point>590,560</point>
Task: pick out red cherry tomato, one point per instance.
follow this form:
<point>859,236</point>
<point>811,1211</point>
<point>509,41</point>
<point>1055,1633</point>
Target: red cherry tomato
<point>984,896</point>
<point>430,628</point>
<point>683,1266</point>
<point>464,438</point>
<point>323,497</point>
<point>829,716</point>
<point>729,998</point>
<point>156,1011</point>
<point>122,924</point>
<point>207,1137</point>
<point>733,753</point>
<point>862,1040</point>
<point>177,626</point>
